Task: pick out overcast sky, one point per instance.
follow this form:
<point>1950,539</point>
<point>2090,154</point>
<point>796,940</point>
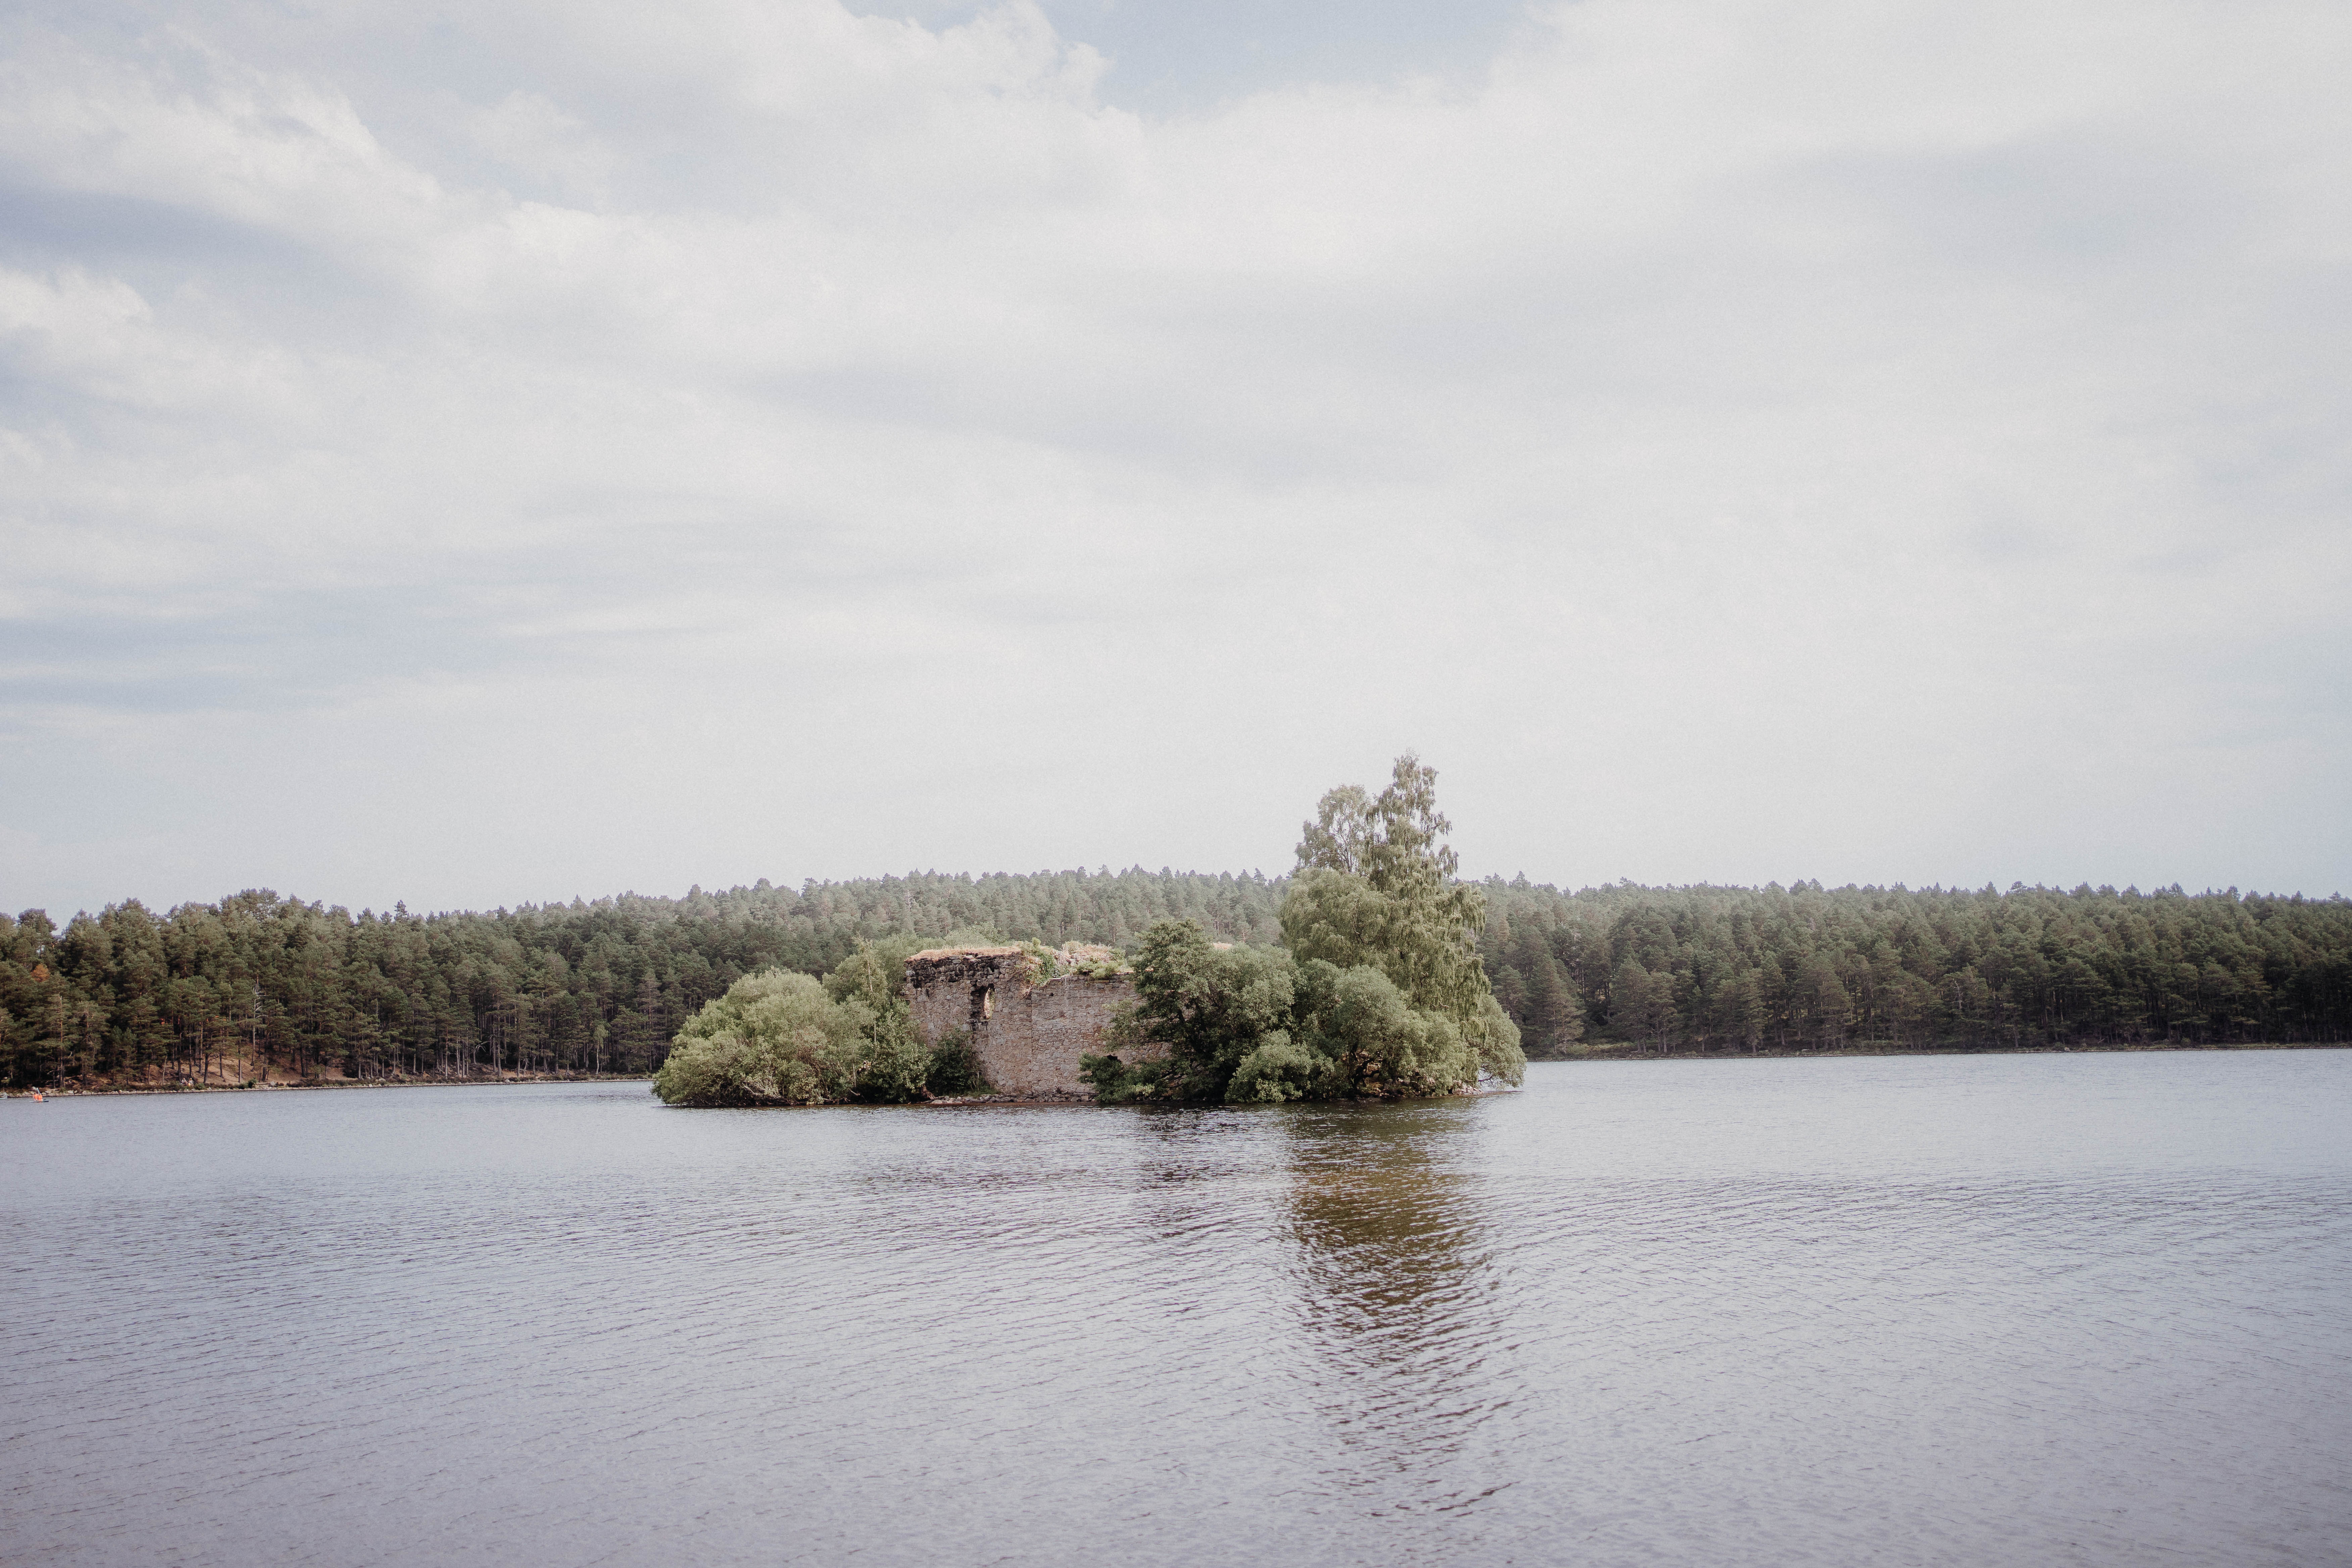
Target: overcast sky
<point>487,453</point>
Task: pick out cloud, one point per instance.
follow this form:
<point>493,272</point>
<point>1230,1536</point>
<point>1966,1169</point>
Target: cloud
<point>464,455</point>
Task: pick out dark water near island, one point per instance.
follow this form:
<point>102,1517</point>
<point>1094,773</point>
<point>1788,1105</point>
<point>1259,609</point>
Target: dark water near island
<point>2090,1310</point>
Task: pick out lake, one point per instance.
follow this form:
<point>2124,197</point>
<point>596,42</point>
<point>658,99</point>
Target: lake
<point>1998,1309</point>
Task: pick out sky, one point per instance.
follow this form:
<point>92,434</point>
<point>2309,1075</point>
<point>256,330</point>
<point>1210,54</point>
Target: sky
<point>473,455</point>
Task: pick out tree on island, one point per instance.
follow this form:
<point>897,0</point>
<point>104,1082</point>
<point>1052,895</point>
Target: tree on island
<point>780,1037</point>
<point>1378,992</point>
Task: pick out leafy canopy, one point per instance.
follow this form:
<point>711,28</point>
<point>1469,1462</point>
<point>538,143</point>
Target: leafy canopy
<point>1380,992</point>
<point>779,1038</point>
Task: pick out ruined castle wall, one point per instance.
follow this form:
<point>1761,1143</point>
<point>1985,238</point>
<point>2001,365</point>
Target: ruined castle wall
<point>961,990</point>
<point>1028,1038</point>
<point>1034,1046</point>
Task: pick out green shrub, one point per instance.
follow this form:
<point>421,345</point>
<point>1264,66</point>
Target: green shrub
<point>774,1038</point>
<point>1253,1025</point>
<point>953,1067</point>
<point>1116,1082</point>
<point>781,1038</point>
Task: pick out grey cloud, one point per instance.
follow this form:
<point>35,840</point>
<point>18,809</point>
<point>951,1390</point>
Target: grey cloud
<point>2053,204</point>
<point>595,447</point>
<point>1177,59</point>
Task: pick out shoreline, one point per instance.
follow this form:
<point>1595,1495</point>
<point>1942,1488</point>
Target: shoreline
<point>1881,1048</point>
<point>94,1091</point>
<point>1628,1054</point>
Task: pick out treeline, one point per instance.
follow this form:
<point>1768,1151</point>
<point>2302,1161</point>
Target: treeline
<point>259,983</point>
<point>1805,967</point>
<point>212,993</point>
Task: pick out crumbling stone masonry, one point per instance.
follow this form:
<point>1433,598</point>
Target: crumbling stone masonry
<point>1028,1034</point>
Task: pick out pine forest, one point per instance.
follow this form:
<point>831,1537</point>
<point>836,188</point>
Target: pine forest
<point>260,987</point>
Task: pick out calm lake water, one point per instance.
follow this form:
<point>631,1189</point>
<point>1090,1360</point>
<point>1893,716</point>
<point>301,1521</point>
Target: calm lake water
<point>1985,1309</point>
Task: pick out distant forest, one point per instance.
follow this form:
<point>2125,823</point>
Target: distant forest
<point>213,993</point>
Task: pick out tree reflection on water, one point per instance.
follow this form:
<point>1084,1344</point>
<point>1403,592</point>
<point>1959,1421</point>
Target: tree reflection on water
<point>1397,1296</point>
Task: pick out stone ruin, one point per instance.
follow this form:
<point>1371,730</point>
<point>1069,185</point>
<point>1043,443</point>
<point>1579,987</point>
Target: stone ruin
<point>1027,1032</point>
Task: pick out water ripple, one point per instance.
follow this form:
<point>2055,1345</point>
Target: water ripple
<point>1769,1313</point>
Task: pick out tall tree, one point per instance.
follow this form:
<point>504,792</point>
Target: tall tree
<point>1375,886</point>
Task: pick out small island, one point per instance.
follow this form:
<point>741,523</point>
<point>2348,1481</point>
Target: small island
<point>263,990</point>
<point>1376,992</point>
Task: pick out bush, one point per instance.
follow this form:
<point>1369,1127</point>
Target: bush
<point>782,1038</point>
<point>1252,1026</point>
<point>954,1068</point>
<point>774,1038</point>
<point>1119,1082</point>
